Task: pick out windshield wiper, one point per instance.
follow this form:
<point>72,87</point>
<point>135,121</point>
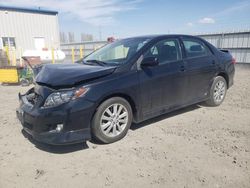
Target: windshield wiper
<point>102,63</point>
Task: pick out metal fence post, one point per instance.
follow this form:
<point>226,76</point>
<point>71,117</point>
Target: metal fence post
<point>81,52</point>
<point>14,57</point>
<point>73,54</point>
<point>7,54</point>
<point>53,55</point>
<point>20,56</point>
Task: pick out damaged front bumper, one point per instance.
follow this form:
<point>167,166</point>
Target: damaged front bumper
<point>73,119</point>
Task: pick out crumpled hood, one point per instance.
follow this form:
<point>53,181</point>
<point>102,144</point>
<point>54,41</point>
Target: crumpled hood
<point>70,74</point>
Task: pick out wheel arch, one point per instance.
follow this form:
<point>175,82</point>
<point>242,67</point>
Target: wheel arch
<point>128,98</point>
<point>225,76</point>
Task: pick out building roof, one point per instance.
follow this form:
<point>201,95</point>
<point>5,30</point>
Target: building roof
<point>30,10</point>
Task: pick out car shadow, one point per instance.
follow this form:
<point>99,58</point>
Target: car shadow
<point>63,149</point>
<point>136,126</point>
<point>56,149</point>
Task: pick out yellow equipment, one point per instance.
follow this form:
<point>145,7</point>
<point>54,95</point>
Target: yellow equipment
<point>9,75</point>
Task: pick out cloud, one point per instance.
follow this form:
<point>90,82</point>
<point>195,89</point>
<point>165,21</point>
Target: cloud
<point>207,21</point>
<point>190,24</point>
<point>95,12</point>
<point>229,10</point>
<point>238,7</point>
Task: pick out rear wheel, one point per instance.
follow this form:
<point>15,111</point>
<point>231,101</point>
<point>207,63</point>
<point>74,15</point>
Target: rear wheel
<point>112,120</point>
<point>218,91</point>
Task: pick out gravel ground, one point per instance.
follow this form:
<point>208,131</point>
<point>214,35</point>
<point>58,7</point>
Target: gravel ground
<point>194,147</point>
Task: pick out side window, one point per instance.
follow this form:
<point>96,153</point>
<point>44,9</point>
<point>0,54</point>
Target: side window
<point>194,48</point>
<point>166,51</point>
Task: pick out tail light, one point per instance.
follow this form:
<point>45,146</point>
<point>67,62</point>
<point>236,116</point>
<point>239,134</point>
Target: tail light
<point>233,61</point>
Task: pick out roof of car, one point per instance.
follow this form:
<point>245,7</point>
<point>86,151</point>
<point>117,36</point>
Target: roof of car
<point>163,35</point>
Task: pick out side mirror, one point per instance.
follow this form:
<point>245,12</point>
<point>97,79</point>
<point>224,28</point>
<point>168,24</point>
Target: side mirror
<point>149,62</point>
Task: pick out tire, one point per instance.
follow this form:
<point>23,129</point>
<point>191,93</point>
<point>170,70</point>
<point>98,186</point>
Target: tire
<point>108,126</point>
<point>218,91</point>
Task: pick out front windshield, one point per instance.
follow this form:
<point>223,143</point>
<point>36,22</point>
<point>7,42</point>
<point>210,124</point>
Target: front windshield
<point>118,52</point>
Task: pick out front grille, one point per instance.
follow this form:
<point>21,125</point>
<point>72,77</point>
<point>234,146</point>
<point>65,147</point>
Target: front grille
<point>32,98</point>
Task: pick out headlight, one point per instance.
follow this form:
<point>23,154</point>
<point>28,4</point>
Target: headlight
<point>58,98</point>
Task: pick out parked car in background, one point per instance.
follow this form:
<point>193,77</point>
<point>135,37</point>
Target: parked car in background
<point>129,80</point>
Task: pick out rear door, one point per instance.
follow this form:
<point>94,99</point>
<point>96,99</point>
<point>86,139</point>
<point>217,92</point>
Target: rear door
<point>162,87</point>
<point>200,68</point>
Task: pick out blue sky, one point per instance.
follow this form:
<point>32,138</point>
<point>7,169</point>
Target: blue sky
<point>123,18</point>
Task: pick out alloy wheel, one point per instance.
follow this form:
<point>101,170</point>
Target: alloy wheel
<point>219,91</point>
<point>114,120</point>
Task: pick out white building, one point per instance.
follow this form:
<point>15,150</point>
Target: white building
<point>28,29</point>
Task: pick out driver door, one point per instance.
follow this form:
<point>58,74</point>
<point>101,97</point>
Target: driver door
<point>162,87</point>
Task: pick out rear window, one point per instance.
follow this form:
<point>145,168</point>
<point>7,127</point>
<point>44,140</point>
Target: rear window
<point>194,48</point>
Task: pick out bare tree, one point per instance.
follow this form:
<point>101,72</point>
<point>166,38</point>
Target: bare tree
<point>71,37</point>
<point>86,37</point>
<point>63,37</point>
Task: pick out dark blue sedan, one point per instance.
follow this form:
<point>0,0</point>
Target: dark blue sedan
<point>130,80</point>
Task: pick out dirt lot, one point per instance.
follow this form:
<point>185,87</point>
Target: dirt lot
<point>194,147</point>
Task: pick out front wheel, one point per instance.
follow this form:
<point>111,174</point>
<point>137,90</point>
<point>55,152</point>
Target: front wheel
<point>112,120</point>
<point>218,91</point>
